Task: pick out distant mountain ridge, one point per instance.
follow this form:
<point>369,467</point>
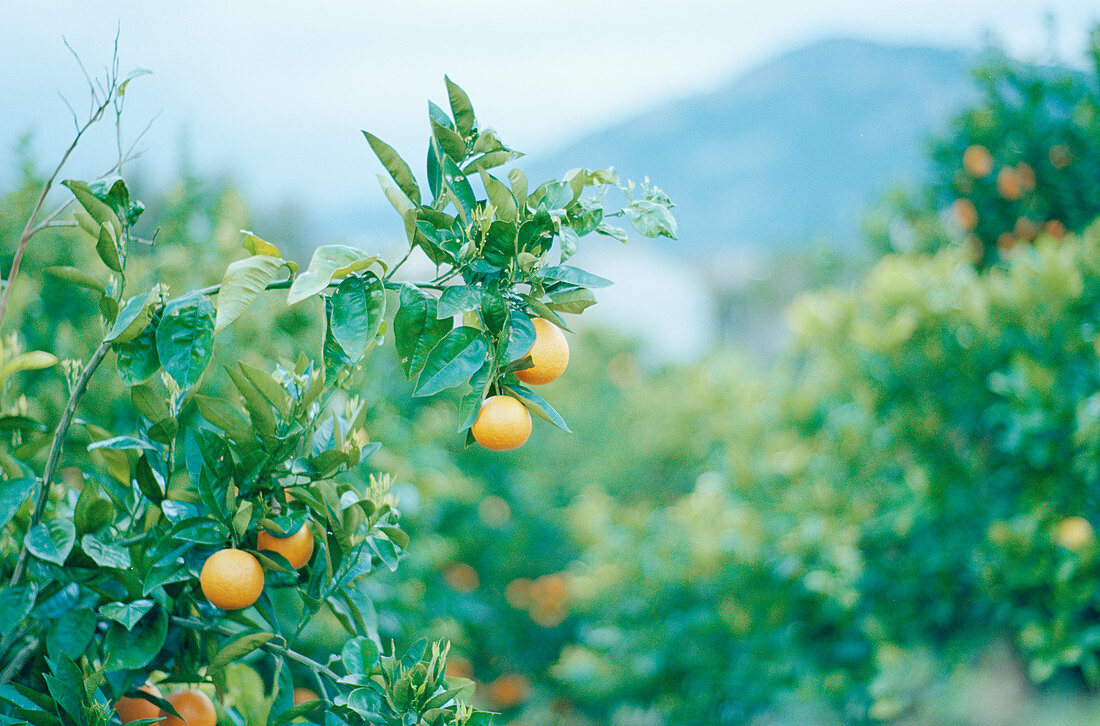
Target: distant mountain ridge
<point>792,151</point>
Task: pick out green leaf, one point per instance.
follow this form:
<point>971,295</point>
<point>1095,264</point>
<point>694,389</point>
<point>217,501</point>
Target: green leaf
<point>51,541</point>
<point>185,338</point>
<point>490,161</point>
<point>71,634</point>
<point>455,181</point>
<point>451,143</point>
<point>323,267</point>
<point>14,493</point>
<point>137,359</point>
<point>500,197</point>
<point>650,218</point>
<point>240,647</point>
<point>458,299</point>
<point>521,336</point>
<point>243,282</point>
<point>461,108</point>
<point>77,277</point>
<point>268,387</point>
<point>518,181</point>
<point>107,248</point>
<point>358,308</point>
<point>573,301</point>
<point>557,195</point>
<point>134,648</point>
<point>538,406</point>
<point>470,405</point>
<point>134,316</point>
<point>258,246</point>
<point>16,604</point>
<point>416,328</point>
<point>452,361</point>
<point>31,361</point>
<point>96,208</point>
<point>126,614</point>
<point>105,555</point>
<point>575,276</point>
<point>396,166</point>
<point>608,231</point>
<point>225,416</point>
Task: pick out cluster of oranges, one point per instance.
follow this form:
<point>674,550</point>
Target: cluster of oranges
<point>195,708</point>
<point>1012,183</point>
<point>503,423</point>
<point>231,579</point>
<point>544,599</point>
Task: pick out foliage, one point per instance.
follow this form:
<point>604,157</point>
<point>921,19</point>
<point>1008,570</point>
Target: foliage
<point>201,461</point>
<point>1035,147</point>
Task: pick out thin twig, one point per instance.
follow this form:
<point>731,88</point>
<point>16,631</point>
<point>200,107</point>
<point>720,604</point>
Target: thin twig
<point>268,646</point>
<point>29,230</point>
<point>62,430</point>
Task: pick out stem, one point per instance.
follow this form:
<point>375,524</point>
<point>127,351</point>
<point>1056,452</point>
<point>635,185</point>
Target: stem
<point>43,488</point>
<point>268,646</point>
<point>31,227</point>
<point>398,265</point>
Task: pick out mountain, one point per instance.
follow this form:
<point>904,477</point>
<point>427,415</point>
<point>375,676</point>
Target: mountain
<point>792,151</point>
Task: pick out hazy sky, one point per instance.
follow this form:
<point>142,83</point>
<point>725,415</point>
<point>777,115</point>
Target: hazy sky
<point>275,93</point>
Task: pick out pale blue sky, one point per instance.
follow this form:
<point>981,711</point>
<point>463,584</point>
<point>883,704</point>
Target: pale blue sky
<point>275,93</point>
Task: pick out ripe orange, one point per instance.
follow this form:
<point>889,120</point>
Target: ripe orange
<point>966,214</point>
<point>1074,533</point>
<point>1009,184</point>
<point>1026,175</point>
<point>303,695</point>
<point>1025,229</point>
<point>195,706</point>
<point>977,161</point>
<point>461,577</point>
<point>549,354</point>
<point>296,548</point>
<point>1055,229</point>
<point>509,690</point>
<point>232,579</point>
<point>133,709</point>
<point>502,424</point>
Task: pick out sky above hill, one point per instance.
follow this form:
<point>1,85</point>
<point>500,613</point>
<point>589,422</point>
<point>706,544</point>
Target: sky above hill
<point>274,93</point>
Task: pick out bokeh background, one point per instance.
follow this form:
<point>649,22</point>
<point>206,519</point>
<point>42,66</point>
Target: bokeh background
<point>836,449</point>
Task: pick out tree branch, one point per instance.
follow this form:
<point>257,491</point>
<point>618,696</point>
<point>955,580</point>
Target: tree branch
<point>42,493</point>
<point>268,646</point>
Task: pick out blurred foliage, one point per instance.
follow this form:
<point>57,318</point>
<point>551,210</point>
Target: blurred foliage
<point>892,522</point>
<point>1021,161</point>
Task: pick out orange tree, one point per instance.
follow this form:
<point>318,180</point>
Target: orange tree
<point>183,557</point>
<point>1021,161</point>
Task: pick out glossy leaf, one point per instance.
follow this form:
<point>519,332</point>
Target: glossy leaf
<point>396,166</point>
<point>452,361</point>
<point>243,282</point>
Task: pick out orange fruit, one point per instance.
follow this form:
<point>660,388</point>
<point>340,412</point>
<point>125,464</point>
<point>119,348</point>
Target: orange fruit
<point>1009,184</point>
<point>549,354</point>
<point>509,690</point>
<point>1006,242</point>
<point>462,578</point>
<point>1055,229</point>
<point>1074,533</point>
<point>503,423</point>
<point>296,548</point>
<point>195,707</point>
<point>1026,175</point>
<point>966,214</point>
<point>231,579</point>
<point>458,667</point>
<point>977,161</point>
<point>1025,229</point>
<point>133,709</point>
<point>303,695</point>
<point>1060,156</point>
